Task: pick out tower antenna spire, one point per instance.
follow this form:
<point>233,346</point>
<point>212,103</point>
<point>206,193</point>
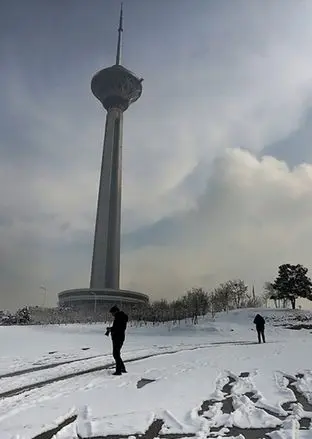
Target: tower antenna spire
<point>120,31</point>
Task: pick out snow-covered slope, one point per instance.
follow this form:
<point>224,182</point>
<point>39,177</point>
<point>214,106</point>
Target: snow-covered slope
<point>210,379</point>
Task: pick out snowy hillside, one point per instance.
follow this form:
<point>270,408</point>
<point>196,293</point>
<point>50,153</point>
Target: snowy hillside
<point>210,380</point>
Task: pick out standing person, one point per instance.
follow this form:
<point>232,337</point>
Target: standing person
<point>260,324</point>
<point>117,331</point>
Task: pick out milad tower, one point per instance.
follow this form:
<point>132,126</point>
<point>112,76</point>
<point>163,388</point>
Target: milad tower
<point>116,88</point>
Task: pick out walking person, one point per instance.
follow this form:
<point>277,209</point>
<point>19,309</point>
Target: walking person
<point>260,324</point>
<point>117,332</point>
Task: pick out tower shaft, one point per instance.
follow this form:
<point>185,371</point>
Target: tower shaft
<point>105,268</point>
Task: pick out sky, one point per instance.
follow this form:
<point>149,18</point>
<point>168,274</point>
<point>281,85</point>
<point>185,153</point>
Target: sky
<point>217,165</point>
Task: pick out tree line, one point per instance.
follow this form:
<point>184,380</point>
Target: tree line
<point>197,302</point>
<point>291,283</point>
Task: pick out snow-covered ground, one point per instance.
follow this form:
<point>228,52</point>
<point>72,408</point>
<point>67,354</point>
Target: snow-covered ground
<point>211,380</point>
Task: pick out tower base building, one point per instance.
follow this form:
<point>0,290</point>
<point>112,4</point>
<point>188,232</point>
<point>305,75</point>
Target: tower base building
<point>101,300</point>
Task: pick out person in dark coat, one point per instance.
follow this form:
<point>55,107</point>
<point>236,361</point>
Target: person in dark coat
<point>260,324</point>
<point>117,332</point>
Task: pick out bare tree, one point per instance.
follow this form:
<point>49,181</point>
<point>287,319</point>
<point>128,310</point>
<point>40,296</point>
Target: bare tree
<point>238,292</point>
<point>270,293</point>
<point>179,310</point>
<point>230,295</point>
<point>197,303</point>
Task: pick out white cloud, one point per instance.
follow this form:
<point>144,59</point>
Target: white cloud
<point>254,215</point>
<point>241,79</point>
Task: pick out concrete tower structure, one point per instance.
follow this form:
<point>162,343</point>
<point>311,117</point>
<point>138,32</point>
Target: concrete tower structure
<point>116,88</point>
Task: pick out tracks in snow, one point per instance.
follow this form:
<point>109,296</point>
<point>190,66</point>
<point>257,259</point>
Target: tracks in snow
<point>67,376</point>
<point>215,428</point>
<point>45,367</point>
<point>64,362</point>
<point>49,434</point>
<point>154,429</point>
<point>39,384</point>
